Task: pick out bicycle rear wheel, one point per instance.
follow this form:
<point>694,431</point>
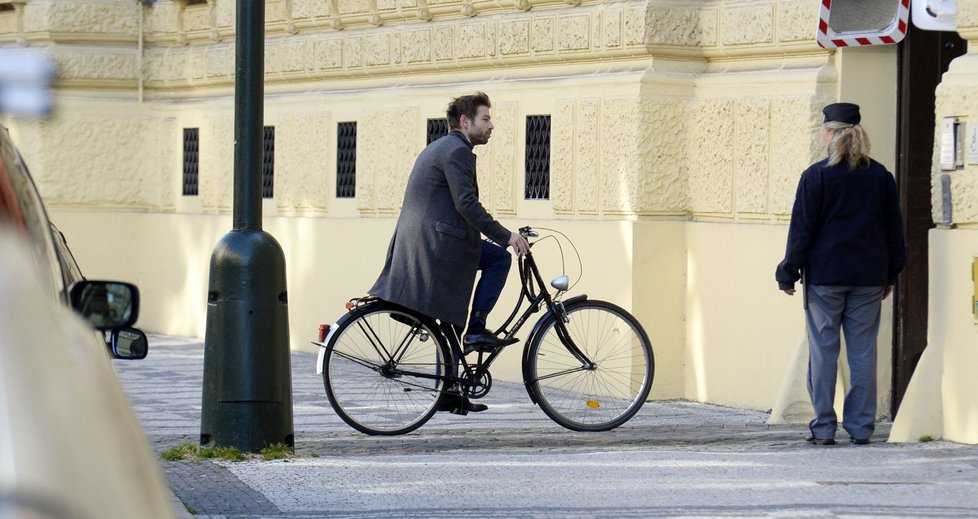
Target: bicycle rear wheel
<point>606,394</point>
<point>385,369</point>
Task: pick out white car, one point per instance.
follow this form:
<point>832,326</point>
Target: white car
<point>70,445</point>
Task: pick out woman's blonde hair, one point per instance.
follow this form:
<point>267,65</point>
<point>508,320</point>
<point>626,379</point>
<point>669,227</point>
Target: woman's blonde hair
<point>849,142</point>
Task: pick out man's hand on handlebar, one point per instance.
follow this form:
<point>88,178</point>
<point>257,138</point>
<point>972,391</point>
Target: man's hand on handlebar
<point>519,243</point>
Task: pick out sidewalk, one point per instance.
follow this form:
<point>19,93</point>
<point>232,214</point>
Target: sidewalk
<point>673,458</point>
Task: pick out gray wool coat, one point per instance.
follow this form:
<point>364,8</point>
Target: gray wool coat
<point>434,253</point>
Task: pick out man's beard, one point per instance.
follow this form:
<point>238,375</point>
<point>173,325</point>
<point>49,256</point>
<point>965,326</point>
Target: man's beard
<point>479,139</point>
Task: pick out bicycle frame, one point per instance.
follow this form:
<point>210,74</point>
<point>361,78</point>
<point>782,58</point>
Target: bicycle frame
<point>536,297</point>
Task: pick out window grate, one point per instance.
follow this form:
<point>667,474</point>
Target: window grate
<point>537,157</point>
<point>191,160</point>
<point>437,128</point>
<point>268,162</point>
<point>346,160</point>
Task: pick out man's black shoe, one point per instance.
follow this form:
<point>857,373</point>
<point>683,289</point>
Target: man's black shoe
<point>860,441</point>
<point>486,341</point>
<point>458,404</point>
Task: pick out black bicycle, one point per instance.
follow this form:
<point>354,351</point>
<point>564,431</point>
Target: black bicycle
<point>587,363</point>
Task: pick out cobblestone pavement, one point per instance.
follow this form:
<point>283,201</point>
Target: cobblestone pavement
<point>672,459</point>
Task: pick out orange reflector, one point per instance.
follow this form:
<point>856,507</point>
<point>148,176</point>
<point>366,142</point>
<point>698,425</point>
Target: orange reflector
<point>350,305</point>
<point>323,330</point>
<point>592,404</point>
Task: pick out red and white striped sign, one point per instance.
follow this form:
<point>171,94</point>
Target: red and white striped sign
<point>893,33</point>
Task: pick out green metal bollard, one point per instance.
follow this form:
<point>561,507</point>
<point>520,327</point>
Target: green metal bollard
<point>247,397</point>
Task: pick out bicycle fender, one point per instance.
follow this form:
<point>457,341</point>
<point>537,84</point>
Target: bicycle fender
<point>322,347</point>
<point>529,340</point>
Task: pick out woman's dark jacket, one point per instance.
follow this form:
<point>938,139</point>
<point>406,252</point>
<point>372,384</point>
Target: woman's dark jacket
<point>846,228</point>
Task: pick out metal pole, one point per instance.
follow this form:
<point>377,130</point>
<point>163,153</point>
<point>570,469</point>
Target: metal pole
<point>247,394</point>
<point>249,106</point>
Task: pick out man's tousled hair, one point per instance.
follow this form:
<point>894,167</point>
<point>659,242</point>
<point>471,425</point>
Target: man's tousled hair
<point>467,106</point>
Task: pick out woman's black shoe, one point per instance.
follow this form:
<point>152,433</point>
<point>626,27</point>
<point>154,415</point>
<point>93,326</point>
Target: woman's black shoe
<point>820,441</point>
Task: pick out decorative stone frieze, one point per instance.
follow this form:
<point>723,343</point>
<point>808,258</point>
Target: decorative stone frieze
<point>680,27</point>
<point>751,147</point>
<point>377,49</point>
<point>470,41</point>
<point>216,163</point>
<point>796,19</point>
<point>441,43</point>
<point>160,191</point>
<point>353,52</point>
<point>587,139</point>
<point>611,27</point>
<point>621,133</point>
<point>106,64</point>
<point>108,21</point>
<point>196,18</point>
<point>385,159</point>
<point>749,24</point>
<point>303,158</point>
<point>12,23</point>
<point>562,155</point>
<point>514,36</point>
<point>543,34</point>
<point>710,155</point>
<point>328,53</point>
<point>503,167</point>
<point>662,178</point>
<point>794,129</point>
<point>417,46</point>
<point>108,170</point>
<point>575,33</point>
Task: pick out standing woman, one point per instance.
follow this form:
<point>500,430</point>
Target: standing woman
<point>846,244</point>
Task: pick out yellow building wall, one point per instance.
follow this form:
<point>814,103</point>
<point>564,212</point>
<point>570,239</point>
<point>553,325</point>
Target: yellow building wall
<point>679,131</point>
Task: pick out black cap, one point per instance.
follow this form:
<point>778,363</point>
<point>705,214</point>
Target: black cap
<point>847,113</point>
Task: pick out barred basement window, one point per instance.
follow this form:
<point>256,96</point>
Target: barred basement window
<point>436,129</point>
<point>537,157</point>
<point>346,160</point>
<point>268,162</point>
<point>191,160</point>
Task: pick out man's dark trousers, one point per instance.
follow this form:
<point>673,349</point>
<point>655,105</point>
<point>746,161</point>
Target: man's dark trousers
<point>494,266</point>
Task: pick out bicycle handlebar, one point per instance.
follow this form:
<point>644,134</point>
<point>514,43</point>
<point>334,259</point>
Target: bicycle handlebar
<point>528,232</point>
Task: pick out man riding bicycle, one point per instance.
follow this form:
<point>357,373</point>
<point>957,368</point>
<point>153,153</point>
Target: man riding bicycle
<point>437,248</point>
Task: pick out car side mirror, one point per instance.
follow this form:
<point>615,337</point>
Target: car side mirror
<point>129,344</point>
<point>106,305</point>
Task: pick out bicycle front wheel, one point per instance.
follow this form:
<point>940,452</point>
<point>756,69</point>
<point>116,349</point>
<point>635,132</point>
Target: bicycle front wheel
<point>384,370</point>
<point>605,393</point>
